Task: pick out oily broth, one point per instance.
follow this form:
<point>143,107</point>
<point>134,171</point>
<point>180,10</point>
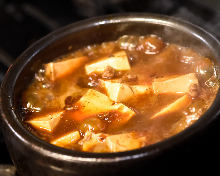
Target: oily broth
<point>147,68</point>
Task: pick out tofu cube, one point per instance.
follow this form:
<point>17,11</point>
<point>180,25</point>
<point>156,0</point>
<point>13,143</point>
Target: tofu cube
<point>60,69</point>
<point>46,122</point>
<point>111,143</point>
<point>180,84</point>
<point>118,61</point>
<point>67,139</point>
<point>94,102</point>
<point>124,142</point>
<point>119,92</point>
<point>140,89</point>
<point>124,114</point>
<point>181,103</point>
<point>94,142</point>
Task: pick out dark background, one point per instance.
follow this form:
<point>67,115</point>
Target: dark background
<point>22,22</point>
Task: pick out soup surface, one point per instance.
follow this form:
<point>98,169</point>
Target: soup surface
<point>119,95</point>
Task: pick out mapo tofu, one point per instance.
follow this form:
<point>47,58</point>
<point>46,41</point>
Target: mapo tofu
<point>119,95</point>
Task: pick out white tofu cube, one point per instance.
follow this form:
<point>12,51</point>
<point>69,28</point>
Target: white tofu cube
<point>125,114</point>
<point>181,103</point>
<point>94,142</point>
<point>124,142</point>
<point>111,143</point>
<point>180,84</point>
<point>60,69</point>
<point>117,92</point>
<point>46,122</point>
<point>140,89</point>
<point>67,139</point>
<point>118,61</point>
<point>94,102</point>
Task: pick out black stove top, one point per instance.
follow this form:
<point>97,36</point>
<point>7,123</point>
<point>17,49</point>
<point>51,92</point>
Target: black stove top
<point>25,21</point>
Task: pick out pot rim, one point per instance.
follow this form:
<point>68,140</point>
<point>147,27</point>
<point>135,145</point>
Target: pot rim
<point>52,151</point>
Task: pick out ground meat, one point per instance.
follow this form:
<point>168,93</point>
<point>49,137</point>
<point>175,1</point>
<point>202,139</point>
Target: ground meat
<point>129,78</point>
<point>108,117</point>
<point>82,82</point>
<point>128,42</point>
<point>119,74</point>
<point>109,73</point>
<point>69,102</point>
<point>194,91</point>
<point>132,57</point>
<point>93,80</point>
<point>87,82</point>
<point>150,45</point>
